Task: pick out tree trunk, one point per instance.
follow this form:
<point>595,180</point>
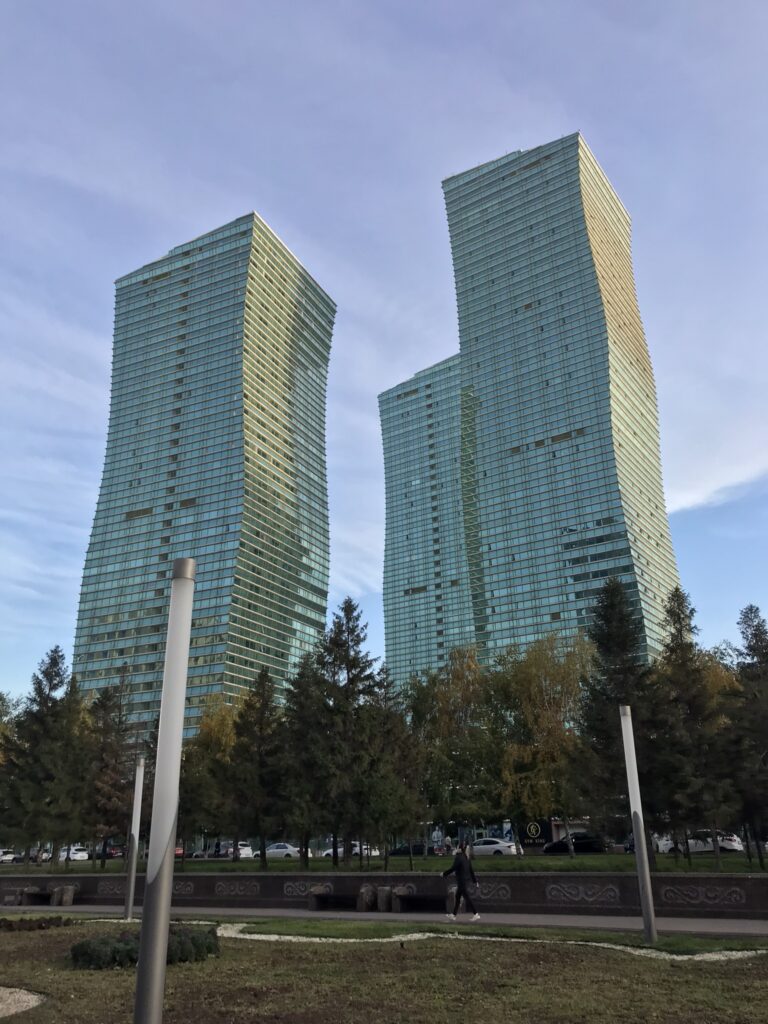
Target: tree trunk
<point>410,854</point>
<point>651,850</point>
<point>236,847</point>
<point>335,849</point>
<point>747,844</point>
<point>687,849</point>
<point>347,841</point>
<point>305,851</point>
<point>263,862</point>
<point>386,855</point>
<point>716,848</point>
<point>568,837</point>
<point>94,843</point>
<point>758,846</point>
<point>360,852</point>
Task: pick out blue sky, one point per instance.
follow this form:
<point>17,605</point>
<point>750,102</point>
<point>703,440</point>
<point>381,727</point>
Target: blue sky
<point>129,129</point>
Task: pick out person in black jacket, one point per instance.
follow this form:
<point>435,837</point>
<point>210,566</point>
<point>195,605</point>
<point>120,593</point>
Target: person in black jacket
<point>465,874</point>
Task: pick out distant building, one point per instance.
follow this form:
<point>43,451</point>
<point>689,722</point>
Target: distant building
<point>216,450</point>
<point>538,461</point>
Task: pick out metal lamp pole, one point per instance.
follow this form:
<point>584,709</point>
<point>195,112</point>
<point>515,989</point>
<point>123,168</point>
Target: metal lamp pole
<point>638,827</point>
<point>133,841</point>
<point>156,914</point>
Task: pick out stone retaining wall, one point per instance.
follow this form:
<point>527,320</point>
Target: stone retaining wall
<point>695,895</point>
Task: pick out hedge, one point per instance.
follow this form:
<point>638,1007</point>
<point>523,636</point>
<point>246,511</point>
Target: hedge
<point>102,952</point>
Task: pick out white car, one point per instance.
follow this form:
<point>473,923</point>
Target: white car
<point>494,848</point>
<point>75,853</point>
<point>283,850</point>
<point>728,842</point>
<point>663,844</point>
<point>244,851</point>
<point>368,851</point>
<point>7,856</point>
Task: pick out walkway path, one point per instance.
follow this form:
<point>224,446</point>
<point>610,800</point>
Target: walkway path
<point>750,928</point>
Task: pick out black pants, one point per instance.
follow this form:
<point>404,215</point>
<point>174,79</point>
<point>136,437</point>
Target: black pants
<point>461,890</point>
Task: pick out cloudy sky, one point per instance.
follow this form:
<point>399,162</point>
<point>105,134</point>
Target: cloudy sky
<point>127,129</point>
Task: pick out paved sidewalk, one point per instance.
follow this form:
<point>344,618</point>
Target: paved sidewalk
<point>751,928</point>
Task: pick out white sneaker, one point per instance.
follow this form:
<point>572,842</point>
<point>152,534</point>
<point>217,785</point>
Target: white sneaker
<point>476,917</point>
<point>451,917</point>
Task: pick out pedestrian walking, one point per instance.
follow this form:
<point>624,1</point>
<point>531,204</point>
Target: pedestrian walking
<point>465,880</point>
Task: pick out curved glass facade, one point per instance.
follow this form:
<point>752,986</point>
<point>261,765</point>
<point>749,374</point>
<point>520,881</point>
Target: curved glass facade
<point>215,450</point>
<point>558,481</point>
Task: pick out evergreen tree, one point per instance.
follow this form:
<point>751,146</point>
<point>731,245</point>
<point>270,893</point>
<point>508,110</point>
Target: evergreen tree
<point>388,794</point>
<point>750,756</point>
<point>308,732</point>
<point>111,765</point>
<point>256,777</point>
<point>44,785</point>
<point>348,678</point>
<point>692,691</point>
<point>617,675</point>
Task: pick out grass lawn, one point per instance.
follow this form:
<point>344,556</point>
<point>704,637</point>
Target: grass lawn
<point>318,928</point>
<point>704,863</point>
<point>420,982</point>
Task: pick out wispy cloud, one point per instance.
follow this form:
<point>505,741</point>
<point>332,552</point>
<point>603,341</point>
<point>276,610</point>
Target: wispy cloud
<point>337,123</point>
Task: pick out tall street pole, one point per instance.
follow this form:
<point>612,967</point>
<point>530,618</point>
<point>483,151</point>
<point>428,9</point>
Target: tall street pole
<point>638,827</point>
<point>156,913</point>
<point>133,841</point>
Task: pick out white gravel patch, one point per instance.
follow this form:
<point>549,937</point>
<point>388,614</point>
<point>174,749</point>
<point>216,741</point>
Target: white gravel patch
<point>235,931</point>
<point>16,1000</point>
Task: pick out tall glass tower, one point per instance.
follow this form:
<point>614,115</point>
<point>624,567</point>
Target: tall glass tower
<point>558,482</point>
<point>215,450</point>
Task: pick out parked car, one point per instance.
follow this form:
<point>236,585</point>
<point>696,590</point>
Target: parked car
<point>245,850</point>
<point>494,848</point>
<point>276,851</point>
<point>583,842</point>
<point>661,844</point>
<point>416,848</point>
<point>75,853</point>
<point>701,842</point>
<point>664,844</point>
<point>10,857</point>
<point>368,851</point>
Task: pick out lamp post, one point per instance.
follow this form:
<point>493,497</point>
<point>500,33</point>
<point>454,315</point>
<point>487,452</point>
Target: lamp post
<point>156,915</point>
<point>638,828</point>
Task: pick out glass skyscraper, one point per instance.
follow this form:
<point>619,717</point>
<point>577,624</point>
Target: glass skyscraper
<point>540,458</point>
<point>216,451</point>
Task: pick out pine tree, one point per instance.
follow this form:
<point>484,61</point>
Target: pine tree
<point>256,777</point>
<point>750,754</point>
<point>617,676</point>
<point>308,753</point>
<point>692,691</point>
<point>349,679</point>
<point>110,762</point>
<point>45,788</point>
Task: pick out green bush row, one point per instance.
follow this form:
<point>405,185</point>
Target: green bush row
<point>102,952</point>
<point>32,924</point>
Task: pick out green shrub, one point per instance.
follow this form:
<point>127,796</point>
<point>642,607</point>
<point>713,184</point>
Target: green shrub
<point>93,954</point>
<point>32,924</point>
<point>185,945</point>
